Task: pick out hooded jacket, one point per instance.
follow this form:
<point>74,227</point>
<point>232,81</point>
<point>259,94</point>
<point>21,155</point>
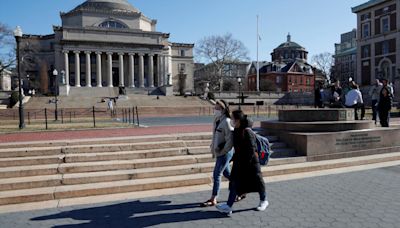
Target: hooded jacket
<point>222,140</point>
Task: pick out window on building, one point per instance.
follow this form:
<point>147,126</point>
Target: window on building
<point>385,24</point>
<point>308,81</point>
<point>365,30</point>
<point>278,79</point>
<point>112,24</point>
<point>183,53</point>
<point>182,68</point>
<point>290,79</point>
<point>385,47</point>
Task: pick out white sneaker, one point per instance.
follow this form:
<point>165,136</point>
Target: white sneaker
<point>263,205</point>
<point>224,208</point>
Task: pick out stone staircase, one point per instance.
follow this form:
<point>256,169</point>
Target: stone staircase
<point>42,171</point>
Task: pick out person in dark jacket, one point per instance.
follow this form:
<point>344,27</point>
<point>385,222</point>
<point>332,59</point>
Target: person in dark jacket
<point>385,103</point>
<point>246,176</point>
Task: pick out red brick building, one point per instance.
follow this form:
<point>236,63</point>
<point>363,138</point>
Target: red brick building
<point>288,71</point>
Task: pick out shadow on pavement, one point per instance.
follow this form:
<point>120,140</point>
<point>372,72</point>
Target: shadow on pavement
<point>129,215</point>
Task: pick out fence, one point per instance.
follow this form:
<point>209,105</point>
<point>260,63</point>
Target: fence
<point>67,116</point>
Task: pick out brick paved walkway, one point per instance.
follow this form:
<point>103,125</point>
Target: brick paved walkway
<point>102,133</point>
<point>359,199</point>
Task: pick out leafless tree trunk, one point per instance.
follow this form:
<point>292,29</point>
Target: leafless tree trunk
<point>324,62</point>
<point>7,49</point>
<point>219,51</point>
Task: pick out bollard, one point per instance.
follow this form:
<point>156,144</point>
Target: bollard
<point>62,116</point>
<point>45,117</point>
<point>133,115</point>
<point>129,120</point>
<point>137,116</point>
<point>94,118</point>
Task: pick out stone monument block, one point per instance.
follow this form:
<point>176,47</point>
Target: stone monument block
<point>312,115</point>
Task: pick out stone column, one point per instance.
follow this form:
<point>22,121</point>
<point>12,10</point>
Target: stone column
<point>165,70</point>
<point>131,70</point>
<point>77,69</point>
<point>158,70</point>
<point>162,70</point>
<point>66,66</point>
<point>121,69</point>
<point>98,71</point>
<point>141,70</point>
<point>151,70</point>
<point>88,70</point>
<point>109,69</point>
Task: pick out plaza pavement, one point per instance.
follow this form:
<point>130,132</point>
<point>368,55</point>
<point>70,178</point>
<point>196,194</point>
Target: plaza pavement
<point>364,198</point>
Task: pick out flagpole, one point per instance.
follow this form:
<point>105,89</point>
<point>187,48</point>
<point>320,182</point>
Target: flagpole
<point>258,66</point>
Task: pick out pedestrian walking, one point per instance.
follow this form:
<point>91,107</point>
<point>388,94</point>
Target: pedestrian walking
<point>385,103</point>
<point>246,176</point>
<point>221,148</point>
<point>354,100</point>
<point>110,106</point>
<point>374,94</point>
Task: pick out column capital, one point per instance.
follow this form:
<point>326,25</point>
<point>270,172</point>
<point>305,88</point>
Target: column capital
<point>109,53</point>
<point>141,54</point>
<point>98,52</point>
<point>65,51</point>
<point>121,53</point>
<point>151,54</point>
<point>77,52</point>
<point>88,52</point>
<point>132,54</point>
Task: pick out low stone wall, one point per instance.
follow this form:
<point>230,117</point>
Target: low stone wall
<point>270,98</point>
<point>322,146</point>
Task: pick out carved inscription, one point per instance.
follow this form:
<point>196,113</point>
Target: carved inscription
<point>358,141</point>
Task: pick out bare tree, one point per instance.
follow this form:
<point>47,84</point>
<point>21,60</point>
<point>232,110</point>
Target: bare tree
<point>324,62</point>
<point>28,51</point>
<point>7,50</point>
<point>219,51</point>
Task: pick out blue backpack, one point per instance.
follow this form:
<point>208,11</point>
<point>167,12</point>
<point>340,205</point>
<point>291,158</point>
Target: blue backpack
<point>263,148</point>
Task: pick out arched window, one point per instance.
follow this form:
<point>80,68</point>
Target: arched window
<point>112,24</point>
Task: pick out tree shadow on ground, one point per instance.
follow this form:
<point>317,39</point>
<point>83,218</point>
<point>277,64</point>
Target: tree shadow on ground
<point>131,214</point>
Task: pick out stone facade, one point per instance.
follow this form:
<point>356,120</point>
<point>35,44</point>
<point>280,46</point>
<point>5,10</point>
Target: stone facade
<point>378,54</point>
<point>346,57</point>
<point>5,80</point>
<point>109,43</point>
<point>288,71</point>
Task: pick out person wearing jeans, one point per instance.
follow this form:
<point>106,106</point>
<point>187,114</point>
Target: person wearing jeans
<point>221,148</point>
<point>246,173</point>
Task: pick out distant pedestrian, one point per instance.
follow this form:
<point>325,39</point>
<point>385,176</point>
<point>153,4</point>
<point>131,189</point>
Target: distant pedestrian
<point>246,173</point>
<point>385,103</point>
<point>318,102</point>
<point>110,106</point>
<point>336,100</point>
<point>374,94</point>
<point>354,100</point>
<point>221,148</point>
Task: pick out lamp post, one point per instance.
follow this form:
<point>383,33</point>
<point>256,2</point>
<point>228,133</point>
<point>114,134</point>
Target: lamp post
<point>18,36</point>
<point>239,80</point>
<point>55,74</point>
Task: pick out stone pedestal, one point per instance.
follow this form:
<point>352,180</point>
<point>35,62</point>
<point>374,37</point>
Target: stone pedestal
<point>322,134</point>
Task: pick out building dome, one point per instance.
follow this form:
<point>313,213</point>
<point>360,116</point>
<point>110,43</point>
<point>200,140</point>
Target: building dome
<point>289,51</point>
<point>290,44</point>
<point>106,5</point>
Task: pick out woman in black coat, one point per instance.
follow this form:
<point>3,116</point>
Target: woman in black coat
<point>246,173</point>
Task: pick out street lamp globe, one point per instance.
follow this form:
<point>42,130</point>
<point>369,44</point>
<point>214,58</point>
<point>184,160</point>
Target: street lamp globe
<point>18,32</point>
<point>239,80</point>
<point>55,72</point>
